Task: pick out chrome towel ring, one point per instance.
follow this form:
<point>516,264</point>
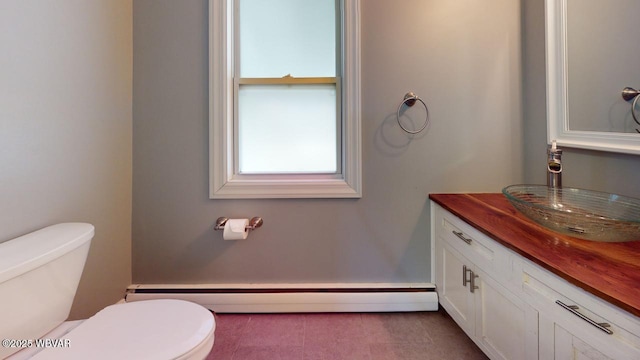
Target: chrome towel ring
<point>410,99</point>
<point>629,94</point>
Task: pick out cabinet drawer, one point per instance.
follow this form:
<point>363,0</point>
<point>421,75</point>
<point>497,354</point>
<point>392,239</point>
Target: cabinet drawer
<point>605,328</point>
<point>471,243</point>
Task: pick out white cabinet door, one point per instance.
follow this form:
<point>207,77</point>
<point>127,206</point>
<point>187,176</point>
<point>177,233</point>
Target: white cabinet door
<point>581,341</point>
<point>453,292</point>
<point>574,324</point>
<point>570,347</point>
<point>506,326</point>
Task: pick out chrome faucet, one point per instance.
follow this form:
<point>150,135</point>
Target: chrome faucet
<point>554,166</point>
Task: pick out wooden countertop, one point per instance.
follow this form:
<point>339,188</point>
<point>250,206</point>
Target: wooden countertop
<point>610,271</point>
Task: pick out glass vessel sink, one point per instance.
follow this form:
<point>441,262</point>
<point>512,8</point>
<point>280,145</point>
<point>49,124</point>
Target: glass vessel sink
<point>585,214</point>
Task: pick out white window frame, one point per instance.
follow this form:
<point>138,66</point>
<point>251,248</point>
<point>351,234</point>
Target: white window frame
<point>224,181</point>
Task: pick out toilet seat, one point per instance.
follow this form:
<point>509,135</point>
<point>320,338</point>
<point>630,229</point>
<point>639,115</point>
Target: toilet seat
<point>151,329</point>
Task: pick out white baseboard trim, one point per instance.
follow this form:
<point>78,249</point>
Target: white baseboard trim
<point>279,298</point>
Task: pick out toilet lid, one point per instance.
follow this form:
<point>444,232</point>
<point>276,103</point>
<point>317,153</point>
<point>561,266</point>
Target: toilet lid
<point>151,329</point>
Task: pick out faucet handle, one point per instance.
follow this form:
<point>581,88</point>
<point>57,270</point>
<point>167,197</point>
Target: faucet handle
<point>553,148</point>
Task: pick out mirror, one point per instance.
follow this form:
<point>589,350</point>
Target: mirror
<point>593,53</point>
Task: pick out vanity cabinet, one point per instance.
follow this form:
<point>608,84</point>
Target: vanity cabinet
<point>513,308</point>
<point>469,272</point>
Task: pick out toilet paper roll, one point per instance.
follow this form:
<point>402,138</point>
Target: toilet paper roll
<point>236,229</point>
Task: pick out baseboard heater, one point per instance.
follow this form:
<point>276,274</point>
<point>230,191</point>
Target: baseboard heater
<point>274,298</point>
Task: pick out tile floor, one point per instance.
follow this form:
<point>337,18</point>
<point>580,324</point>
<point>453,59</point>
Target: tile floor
<point>336,336</point>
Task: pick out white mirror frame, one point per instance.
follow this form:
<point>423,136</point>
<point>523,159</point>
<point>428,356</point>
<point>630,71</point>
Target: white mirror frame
<point>557,107</point>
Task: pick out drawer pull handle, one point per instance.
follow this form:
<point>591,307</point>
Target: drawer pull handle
<point>574,310</point>
<point>461,236</point>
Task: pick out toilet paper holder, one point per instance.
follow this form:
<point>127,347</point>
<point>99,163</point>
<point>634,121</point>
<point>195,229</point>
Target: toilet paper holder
<point>254,223</point>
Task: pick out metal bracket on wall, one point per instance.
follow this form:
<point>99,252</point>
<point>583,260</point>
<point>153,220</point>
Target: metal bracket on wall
<point>629,94</point>
<point>254,223</point>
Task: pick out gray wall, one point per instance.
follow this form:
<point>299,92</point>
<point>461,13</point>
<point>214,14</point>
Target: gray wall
<point>462,57</point>
<point>65,121</point>
<point>65,130</point>
<point>604,171</point>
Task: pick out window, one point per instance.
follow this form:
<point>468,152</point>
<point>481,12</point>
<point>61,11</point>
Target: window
<point>284,99</point>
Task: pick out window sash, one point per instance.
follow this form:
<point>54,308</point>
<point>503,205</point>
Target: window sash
<point>338,17</point>
<point>287,81</point>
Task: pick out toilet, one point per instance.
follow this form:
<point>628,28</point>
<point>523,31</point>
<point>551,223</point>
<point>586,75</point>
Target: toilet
<point>39,275</point>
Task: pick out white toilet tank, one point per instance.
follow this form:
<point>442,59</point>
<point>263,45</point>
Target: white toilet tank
<point>39,275</point>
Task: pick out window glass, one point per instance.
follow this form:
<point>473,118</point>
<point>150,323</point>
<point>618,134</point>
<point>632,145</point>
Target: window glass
<point>287,129</point>
<point>281,37</point>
